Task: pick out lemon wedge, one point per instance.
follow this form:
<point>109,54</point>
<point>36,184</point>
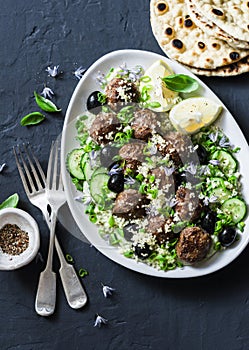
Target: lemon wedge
<point>156,88</point>
<point>194,113</point>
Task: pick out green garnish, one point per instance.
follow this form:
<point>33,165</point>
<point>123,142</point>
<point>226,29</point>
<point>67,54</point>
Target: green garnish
<point>153,104</point>
<point>111,221</point>
<point>69,258</point>
<point>45,104</point>
<point>32,119</point>
<point>10,202</point>
<point>125,114</point>
<point>180,83</point>
<point>83,272</point>
<point>145,79</point>
<point>101,98</point>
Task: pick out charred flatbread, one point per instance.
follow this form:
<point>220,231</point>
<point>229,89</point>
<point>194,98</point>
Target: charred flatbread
<point>183,41</point>
<point>233,69</point>
<point>212,29</point>
<point>232,16</point>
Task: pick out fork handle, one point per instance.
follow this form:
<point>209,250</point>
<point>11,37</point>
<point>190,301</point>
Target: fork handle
<point>46,293</point>
<point>74,291</point>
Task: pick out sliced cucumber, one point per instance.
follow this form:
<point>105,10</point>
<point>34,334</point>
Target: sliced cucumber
<point>86,166</point>
<point>100,170</point>
<point>221,193</point>
<point>236,208</point>
<point>97,183</point>
<point>74,163</point>
<point>228,163</point>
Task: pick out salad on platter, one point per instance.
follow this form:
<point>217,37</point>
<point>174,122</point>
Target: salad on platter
<point>155,174</point>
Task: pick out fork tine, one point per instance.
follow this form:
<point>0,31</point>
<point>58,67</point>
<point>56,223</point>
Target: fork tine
<point>61,187</point>
<point>50,162</point>
<point>38,165</point>
<point>55,177</point>
<point>38,182</point>
<point>19,167</point>
<point>31,183</point>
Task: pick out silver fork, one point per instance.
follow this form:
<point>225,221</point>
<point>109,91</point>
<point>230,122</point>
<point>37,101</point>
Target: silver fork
<point>35,190</point>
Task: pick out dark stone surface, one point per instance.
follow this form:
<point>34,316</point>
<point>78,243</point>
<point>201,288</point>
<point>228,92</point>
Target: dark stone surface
<point>206,313</point>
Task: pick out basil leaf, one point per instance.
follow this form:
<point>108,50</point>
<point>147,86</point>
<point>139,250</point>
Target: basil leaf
<point>10,202</point>
<point>45,104</point>
<point>32,119</point>
<point>180,83</point>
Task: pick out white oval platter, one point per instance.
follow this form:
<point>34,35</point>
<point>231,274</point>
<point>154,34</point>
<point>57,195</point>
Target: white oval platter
<point>77,106</point>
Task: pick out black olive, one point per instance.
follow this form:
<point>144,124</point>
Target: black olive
<point>106,155</point>
<point>142,252</point>
<point>116,183</point>
<point>208,222</point>
<point>115,166</point>
<point>93,104</point>
<point>227,236</point>
<point>129,230</point>
<point>202,154</point>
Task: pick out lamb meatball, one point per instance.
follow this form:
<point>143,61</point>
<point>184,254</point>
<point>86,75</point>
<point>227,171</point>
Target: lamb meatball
<point>133,155</point>
<point>159,227</point>
<point>164,182</point>
<point>193,245</point>
<point>130,204</point>
<point>104,127</point>
<point>144,123</point>
<point>176,145</point>
<point>188,205</point>
<point>120,92</point>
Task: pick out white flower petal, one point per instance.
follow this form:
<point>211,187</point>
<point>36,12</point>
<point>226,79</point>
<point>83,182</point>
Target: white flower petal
<point>2,167</point>
<point>206,201</point>
<point>214,162</point>
<point>53,72</point>
<point>168,171</point>
<point>99,321</point>
<point>107,291</point>
<point>101,79</point>
<point>213,136</point>
<point>213,199</point>
<point>224,142</point>
<point>79,72</point>
<point>192,168</point>
<point>47,92</point>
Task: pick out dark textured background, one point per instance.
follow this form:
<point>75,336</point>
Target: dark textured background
<point>206,313</point>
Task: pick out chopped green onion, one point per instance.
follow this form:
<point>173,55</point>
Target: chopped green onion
<point>101,98</point>
<point>83,272</point>
<point>69,258</point>
<point>145,79</point>
<point>154,104</point>
<point>111,221</point>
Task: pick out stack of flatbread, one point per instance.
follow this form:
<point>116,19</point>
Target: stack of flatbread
<point>210,37</point>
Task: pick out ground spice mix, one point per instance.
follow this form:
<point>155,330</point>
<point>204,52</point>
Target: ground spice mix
<point>13,240</point>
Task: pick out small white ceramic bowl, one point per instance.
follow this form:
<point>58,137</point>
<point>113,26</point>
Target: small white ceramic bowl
<point>26,223</point>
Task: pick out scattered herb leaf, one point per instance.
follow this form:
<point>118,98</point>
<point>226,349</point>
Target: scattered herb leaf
<point>10,202</point>
<point>32,119</point>
<point>45,104</point>
<point>180,83</point>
